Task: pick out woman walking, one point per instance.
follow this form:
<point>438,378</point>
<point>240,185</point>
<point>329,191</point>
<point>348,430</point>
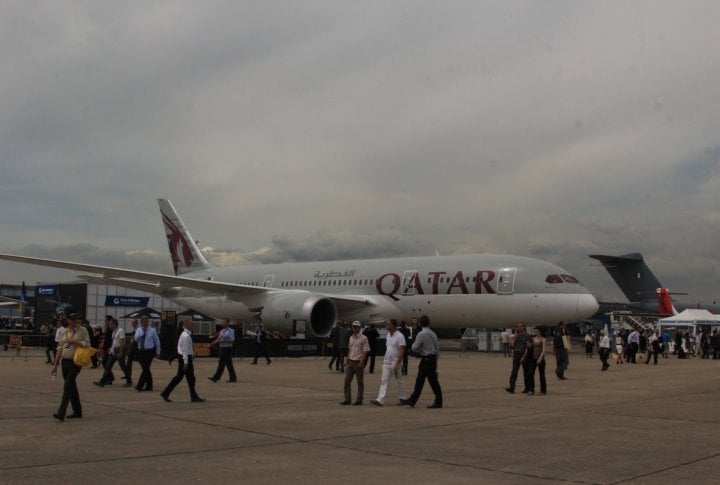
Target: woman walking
<point>538,355</point>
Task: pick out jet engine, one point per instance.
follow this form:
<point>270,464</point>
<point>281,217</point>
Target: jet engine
<point>286,312</point>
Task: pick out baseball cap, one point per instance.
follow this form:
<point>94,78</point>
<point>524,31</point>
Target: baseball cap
<point>70,312</point>
<point>356,324</point>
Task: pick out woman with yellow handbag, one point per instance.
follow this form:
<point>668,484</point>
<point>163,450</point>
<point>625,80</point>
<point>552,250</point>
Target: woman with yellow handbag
<point>76,336</point>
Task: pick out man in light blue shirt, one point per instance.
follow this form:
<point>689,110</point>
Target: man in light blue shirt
<point>226,339</point>
<point>148,347</point>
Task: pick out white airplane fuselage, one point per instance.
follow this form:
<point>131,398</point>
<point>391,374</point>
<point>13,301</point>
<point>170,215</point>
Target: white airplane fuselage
<point>454,291</point>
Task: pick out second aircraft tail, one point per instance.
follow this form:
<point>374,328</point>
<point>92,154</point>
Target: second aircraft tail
<point>632,275</point>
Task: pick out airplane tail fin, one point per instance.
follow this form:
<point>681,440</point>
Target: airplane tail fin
<point>665,305</point>
<point>632,275</point>
<point>184,253</point>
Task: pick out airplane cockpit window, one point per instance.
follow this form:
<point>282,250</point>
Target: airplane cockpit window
<point>553,279</point>
<point>569,279</point>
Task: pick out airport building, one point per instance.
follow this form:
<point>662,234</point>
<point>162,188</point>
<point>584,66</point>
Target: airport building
<point>94,301</point>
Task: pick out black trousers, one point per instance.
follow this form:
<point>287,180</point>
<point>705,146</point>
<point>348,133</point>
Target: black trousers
<point>70,393</point>
<point>527,368</point>
<point>108,374</point>
<point>145,383</point>
<point>540,368</point>
<point>371,359</point>
<point>632,352</point>
<point>652,353</point>
<point>131,357</point>
<point>604,353</point>
<point>188,374</point>
<point>225,360</point>
<point>261,349</point>
<point>561,361</point>
<point>427,369</point>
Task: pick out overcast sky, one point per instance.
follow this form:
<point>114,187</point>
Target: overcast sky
<point>294,131</point>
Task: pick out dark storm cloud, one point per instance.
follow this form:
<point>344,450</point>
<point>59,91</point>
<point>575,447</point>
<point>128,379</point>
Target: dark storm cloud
<point>363,130</point>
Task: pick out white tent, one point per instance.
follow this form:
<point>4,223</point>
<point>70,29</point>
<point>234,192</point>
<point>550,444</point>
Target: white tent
<point>690,318</point>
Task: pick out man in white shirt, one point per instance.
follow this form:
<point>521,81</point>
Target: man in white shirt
<point>116,352</point>
<point>185,365</point>
<point>604,350</point>
<point>394,352</point>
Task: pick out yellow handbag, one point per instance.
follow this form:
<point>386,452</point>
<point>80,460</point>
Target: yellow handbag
<point>83,355</point>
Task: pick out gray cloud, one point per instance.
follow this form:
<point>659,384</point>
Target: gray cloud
<point>324,130</point>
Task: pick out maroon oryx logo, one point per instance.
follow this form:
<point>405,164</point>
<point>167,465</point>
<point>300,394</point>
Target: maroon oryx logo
<point>175,238</point>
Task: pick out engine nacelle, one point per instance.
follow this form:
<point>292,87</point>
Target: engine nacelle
<point>282,312</point>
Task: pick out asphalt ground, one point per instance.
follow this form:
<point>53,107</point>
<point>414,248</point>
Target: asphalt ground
<point>281,423</point>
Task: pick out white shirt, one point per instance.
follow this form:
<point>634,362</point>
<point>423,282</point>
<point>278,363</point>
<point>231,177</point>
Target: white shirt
<point>185,346</point>
<point>604,342</point>
<point>117,336</point>
<point>392,345</point>
<point>59,334</point>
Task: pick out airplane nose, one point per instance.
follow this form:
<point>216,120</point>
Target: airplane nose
<point>587,306</point>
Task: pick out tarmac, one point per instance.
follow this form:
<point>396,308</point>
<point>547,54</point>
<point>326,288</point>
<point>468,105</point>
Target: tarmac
<point>281,423</point>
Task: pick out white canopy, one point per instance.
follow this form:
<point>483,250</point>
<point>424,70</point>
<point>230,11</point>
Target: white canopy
<point>691,317</point>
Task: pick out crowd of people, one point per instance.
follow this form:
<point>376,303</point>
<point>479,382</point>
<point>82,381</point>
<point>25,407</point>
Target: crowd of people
<point>631,346</point>
<point>355,350</point>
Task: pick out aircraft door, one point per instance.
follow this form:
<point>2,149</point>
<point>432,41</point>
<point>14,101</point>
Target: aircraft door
<point>409,282</point>
<point>268,281</point>
<point>506,281</point>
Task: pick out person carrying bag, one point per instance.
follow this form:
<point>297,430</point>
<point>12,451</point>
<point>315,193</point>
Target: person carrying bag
<point>76,337</point>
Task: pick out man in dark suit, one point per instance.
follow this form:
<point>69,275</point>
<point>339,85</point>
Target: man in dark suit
<point>372,335</point>
<point>406,333</point>
<point>261,344</point>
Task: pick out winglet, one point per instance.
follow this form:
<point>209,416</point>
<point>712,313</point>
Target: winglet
<point>184,253</point>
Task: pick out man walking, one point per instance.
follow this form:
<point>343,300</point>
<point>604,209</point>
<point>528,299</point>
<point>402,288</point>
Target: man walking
<point>521,347</point>
<point>132,354</point>
<point>185,365</point>
<point>426,346</point>
<point>394,352</point>
<point>260,344</point>
<point>355,364</point>
<point>148,347</point>
<point>115,354</point>
<point>406,333</point>
<point>372,335</point>
<point>604,350</point>
<point>561,352</point>
<point>226,339</point>
<point>343,342</point>
<point>633,346</point>
<point>334,339</point>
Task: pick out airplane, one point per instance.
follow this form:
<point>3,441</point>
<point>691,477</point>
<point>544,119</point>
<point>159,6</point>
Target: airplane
<point>641,287</point>
<point>486,290</point>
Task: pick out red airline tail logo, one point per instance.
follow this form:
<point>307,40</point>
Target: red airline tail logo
<point>176,238</point>
<point>665,306</point>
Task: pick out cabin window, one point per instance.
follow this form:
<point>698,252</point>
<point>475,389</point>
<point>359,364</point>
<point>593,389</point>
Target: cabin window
<point>569,279</point>
<point>553,279</point>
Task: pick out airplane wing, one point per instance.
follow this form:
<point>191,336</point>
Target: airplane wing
<point>155,282</point>
<point>5,301</point>
<point>152,280</point>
